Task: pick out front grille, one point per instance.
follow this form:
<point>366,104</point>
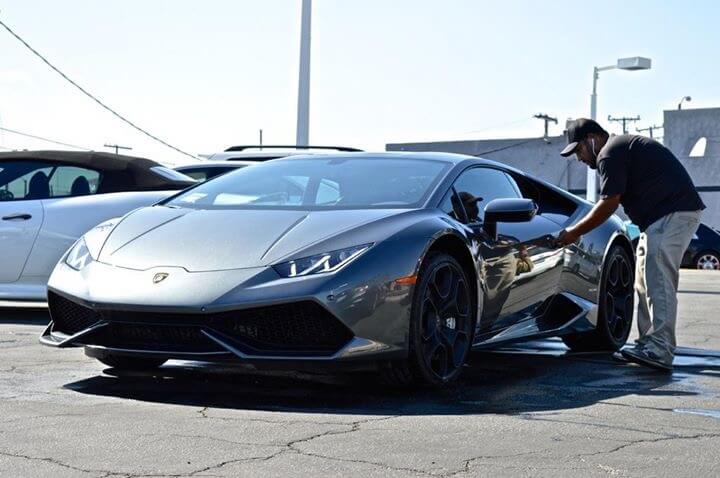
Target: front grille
<point>287,329</point>
<point>155,337</point>
<point>69,317</point>
<point>296,327</point>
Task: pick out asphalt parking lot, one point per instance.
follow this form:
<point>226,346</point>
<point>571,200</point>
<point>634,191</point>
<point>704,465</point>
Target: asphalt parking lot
<point>531,410</point>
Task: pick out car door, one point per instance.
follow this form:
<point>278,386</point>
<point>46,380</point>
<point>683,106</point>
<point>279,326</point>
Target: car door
<point>521,268</point>
<point>70,211</point>
<point>22,188</point>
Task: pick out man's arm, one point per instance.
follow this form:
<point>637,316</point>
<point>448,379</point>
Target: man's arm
<point>600,213</point>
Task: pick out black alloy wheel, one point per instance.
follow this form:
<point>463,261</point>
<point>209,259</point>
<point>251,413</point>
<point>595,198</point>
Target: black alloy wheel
<point>615,308</point>
<point>619,297</point>
<point>441,328</point>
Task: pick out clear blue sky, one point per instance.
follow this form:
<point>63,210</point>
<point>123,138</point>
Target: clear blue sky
<point>205,75</point>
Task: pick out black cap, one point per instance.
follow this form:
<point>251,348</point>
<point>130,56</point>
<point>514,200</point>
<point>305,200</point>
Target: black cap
<point>577,131</point>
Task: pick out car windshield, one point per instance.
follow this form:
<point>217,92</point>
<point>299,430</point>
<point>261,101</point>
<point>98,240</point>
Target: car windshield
<point>327,183</point>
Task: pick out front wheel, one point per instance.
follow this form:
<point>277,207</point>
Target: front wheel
<point>615,308</point>
<point>442,320</point>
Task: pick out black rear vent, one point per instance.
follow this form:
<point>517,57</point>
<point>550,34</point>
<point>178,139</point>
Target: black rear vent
<point>69,317</point>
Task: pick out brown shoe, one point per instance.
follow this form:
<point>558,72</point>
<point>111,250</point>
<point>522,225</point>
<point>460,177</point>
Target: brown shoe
<point>646,359</point>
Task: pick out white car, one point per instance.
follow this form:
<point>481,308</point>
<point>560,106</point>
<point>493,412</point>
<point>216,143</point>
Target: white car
<point>48,199</point>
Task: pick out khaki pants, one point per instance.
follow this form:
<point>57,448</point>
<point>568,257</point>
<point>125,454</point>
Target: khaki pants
<point>659,253</point>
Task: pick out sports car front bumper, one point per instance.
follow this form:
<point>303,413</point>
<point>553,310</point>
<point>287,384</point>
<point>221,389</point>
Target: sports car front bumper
<point>246,314</point>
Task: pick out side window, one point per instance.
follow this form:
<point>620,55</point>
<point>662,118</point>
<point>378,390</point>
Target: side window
<point>451,207</point>
<point>24,180</point>
<point>476,187</point>
<point>199,175</point>
<point>72,181</point>
<point>328,192</point>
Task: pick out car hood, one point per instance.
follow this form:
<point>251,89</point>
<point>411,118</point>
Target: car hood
<point>211,240</point>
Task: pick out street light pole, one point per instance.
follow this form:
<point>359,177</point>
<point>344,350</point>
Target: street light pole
<point>303,111</point>
<point>591,179</point>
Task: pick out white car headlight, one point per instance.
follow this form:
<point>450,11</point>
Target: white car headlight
<point>79,255</point>
<point>322,263</point>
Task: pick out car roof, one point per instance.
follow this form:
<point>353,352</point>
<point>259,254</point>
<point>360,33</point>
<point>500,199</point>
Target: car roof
<point>119,172</point>
<point>215,164</point>
<point>452,158</point>
<point>267,152</point>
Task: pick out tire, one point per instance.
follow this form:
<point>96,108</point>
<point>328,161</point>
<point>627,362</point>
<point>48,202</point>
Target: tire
<point>442,321</point>
<point>707,260</point>
<point>124,362</point>
<point>616,307</point>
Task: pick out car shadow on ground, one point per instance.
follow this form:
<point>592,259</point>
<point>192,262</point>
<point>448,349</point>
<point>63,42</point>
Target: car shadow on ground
<point>25,316</point>
<point>533,377</point>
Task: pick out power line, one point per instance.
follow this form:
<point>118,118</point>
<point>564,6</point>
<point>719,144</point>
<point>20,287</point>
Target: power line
<point>488,128</point>
<point>92,97</point>
<point>624,120</point>
<point>650,129</point>
<point>44,139</point>
<point>117,147</point>
<point>503,148</point>
<point>547,119</point>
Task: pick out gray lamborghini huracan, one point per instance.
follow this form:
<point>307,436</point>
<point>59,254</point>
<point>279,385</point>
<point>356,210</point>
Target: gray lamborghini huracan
<point>398,261</point>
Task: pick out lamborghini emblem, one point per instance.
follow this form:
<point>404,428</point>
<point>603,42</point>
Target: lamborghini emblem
<point>159,277</point>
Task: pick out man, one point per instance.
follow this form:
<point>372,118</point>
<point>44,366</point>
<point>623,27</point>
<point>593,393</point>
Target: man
<point>658,195</point>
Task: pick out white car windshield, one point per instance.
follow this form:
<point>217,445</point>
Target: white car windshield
<point>327,183</point>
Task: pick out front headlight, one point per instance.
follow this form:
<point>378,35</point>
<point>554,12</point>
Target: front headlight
<point>321,263</point>
<point>79,255</point>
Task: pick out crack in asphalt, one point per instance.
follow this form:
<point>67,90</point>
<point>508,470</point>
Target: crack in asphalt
<point>288,447</point>
<point>204,415</point>
<point>653,440</point>
<point>467,465</point>
<point>530,417</point>
<point>211,438</point>
<point>54,461</point>
<point>354,426</point>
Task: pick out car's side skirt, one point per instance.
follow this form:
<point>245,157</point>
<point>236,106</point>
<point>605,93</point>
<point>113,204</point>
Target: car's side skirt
<point>561,314</point>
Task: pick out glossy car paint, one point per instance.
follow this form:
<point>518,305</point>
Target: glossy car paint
<point>220,260</point>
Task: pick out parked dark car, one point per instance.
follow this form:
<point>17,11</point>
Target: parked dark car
<point>702,253</point>
<point>704,249</point>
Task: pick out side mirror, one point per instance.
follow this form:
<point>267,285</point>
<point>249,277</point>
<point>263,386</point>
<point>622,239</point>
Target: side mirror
<point>508,210</point>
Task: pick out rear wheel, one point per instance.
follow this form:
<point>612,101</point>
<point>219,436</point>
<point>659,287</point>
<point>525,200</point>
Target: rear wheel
<point>707,260</point>
<point>442,320</point>
<point>124,362</point>
<point>616,307</point>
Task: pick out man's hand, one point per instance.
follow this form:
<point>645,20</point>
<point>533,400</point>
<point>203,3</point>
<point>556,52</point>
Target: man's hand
<point>567,237</point>
<point>600,213</point>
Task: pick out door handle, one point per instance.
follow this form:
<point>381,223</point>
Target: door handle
<point>18,216</point>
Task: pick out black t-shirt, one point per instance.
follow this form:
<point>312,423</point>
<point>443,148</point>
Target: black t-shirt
<point>650,179</point>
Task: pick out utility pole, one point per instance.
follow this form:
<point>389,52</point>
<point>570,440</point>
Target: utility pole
<point>650,129</point>
<point>303,110</point>
<point>117,147</point>
<point>624,120</point>
<point>546,119</point>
